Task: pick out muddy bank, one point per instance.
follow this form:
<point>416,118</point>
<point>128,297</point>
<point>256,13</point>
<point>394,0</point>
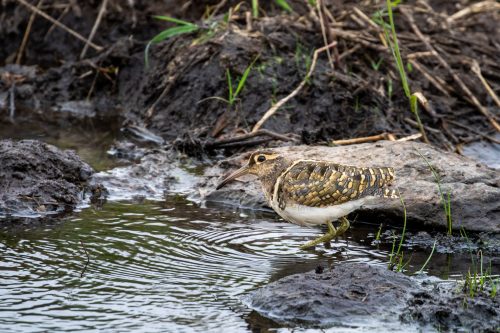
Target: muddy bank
<point>362,295</point>
<point>179,97</point>
<point>37,179</point>
<point>474,188</point>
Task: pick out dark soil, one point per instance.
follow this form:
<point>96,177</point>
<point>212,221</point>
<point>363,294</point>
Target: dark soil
<point>37,179</point>
<point>360,96</point>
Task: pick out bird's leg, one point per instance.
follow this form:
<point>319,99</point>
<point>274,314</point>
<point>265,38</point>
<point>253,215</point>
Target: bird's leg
<point>323,239</point>
<point>344,225</point>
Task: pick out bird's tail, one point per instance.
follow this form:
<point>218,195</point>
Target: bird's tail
<point>385,178</point>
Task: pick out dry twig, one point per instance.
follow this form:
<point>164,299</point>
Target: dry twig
<point>59,24</point>
<point>378,137</point>
<point>487,137</point>
<point>456,78</point>
<point>26,34</point>
<point>483,6</point>
<point>59,18</point>
<point>101,13</point>
<point>477,70</point>
<point>434,81</point>
<point>319,8</point>
<point>243,137</point>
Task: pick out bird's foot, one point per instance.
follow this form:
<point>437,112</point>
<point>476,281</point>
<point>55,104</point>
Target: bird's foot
<point>344,225</point>
<point>326,238</point>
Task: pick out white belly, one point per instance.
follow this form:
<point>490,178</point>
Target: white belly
<point>311,216</point>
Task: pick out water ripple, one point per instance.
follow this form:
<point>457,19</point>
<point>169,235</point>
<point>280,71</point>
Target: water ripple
<point>154,267</point>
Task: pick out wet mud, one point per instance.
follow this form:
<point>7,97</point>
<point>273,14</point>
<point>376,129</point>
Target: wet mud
<point>179,96</point>
<point>360,295</point>
<point>37,179</point>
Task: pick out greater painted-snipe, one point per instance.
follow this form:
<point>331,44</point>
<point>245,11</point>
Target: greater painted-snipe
<point>314,192</point>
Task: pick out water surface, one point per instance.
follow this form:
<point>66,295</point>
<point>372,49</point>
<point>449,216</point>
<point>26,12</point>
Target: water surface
<point>167,266</point>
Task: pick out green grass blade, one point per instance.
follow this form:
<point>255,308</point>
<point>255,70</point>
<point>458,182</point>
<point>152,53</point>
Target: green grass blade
<point>255,8</point>
<point>243,79</point>
<point>393,40</point>
<point>171,32</point>
<point>283,4</point>
<point>231,97</point>
<point>445,202</point>
<point>428,258</point>
<point>173,20</point>
<point>404,223</point>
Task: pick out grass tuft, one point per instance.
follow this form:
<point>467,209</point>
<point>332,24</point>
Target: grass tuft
<point>477,280</point>
<point>233,93</point>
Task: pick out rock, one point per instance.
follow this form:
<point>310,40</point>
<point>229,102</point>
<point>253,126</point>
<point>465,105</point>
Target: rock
<point>38,179</point>
<point>348,294</point>
<point>359,295</point>
<point>474,188</point>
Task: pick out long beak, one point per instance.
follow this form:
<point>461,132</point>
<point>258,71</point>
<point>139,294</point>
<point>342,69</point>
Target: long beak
<point>240,172</point>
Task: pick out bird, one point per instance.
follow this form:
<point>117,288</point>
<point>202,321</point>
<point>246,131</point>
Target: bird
<point>315,192</point>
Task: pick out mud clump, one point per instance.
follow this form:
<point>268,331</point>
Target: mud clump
<point>349,291</point>
<point>364,296</point>
<point>37,179</point>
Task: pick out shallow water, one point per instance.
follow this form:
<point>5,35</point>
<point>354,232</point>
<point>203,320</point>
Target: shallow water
<point>484,151</point>
<point>163,267</point>
<point>166,265</point>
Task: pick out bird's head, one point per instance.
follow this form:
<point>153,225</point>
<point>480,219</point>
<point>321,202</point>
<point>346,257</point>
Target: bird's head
<point>263,164</point>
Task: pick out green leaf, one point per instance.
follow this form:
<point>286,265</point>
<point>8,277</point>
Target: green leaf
<point>283,4</point>
<point>173,20</point>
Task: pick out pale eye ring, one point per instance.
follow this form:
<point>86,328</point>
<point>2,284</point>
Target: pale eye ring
<point>261,158</point>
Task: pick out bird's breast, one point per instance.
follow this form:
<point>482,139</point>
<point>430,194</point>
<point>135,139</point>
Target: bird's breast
<point>311,216</point>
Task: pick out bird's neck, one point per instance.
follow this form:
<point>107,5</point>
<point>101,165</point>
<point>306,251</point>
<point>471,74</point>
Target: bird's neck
<point>268,180</point>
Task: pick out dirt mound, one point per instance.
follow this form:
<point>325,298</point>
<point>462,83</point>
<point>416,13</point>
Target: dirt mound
<point>357,93</point>
<point>38,179</point>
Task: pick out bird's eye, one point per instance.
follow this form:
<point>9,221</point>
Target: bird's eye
<point>261,158</point>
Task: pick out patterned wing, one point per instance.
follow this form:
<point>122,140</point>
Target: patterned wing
<point>319,184</point>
